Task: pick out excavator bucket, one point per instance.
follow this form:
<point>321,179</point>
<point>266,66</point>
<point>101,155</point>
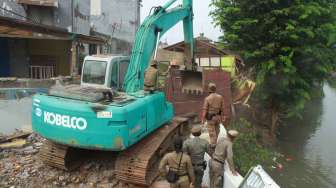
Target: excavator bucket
<point>192,82</point>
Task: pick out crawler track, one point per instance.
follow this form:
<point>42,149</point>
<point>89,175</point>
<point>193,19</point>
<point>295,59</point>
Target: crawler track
<point>139,164</point>
<point>59,156</point>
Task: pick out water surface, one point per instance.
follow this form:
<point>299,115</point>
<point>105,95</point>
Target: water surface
<point>309,145</point>
<point>15,108</point>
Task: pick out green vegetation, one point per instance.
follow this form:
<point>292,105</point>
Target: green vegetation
<point>247,151</point>
<point>289,45</point>
<point>332,82</point>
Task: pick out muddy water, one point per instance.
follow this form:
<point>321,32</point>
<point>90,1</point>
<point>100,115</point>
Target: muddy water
<point>15,114</point>
<point>309,146</point>
<point>15,108</point>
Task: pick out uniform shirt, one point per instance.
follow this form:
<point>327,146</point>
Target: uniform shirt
<point>172,161</point>
<point>196,148</point>
<point>224,152</point>
<point>151,76</point>
<point>213,104</point>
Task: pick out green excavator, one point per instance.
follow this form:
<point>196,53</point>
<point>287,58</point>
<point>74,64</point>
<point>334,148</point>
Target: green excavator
<point>109,109</point>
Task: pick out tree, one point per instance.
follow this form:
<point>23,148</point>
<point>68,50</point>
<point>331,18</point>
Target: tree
<point>290,44</point>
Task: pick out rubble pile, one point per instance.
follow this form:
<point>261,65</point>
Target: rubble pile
<point>21,167</point>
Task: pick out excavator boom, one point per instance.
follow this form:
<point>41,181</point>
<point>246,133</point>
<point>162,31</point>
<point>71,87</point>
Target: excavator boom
<point>152,29</point>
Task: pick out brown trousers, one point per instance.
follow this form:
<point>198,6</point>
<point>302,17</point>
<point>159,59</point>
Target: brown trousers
<point>183,182</point>
<point>216,174</point>
<point>213,129</point>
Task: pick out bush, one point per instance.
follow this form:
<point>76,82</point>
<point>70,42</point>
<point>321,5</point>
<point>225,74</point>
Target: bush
<point>247,151</point>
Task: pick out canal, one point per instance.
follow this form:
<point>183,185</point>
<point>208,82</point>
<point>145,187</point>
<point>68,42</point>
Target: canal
<point>309,145</point>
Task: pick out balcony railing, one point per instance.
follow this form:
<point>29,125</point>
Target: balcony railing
<point>42,72</point>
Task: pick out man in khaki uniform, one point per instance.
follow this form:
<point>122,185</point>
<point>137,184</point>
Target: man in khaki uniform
<point>222,152</point>
<point>151,77</point>
<point>196,148</point>
<point>172,160</point>
<point>212,113</point>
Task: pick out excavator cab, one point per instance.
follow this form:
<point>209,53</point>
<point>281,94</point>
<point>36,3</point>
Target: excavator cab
<point>103,71</point>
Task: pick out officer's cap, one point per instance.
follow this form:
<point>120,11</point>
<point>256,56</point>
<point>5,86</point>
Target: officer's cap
<point>196,129</point>
<point>212,87</point>
<point>233,133</point>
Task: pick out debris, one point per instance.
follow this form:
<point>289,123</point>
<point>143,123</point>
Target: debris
<point>17,143</point>
<point>279,167</point>
<point>16,135</point>
<point>289,158</point>
<point>20,166</point>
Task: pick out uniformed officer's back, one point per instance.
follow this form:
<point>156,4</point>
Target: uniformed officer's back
<point>173,160</point>
<point>215,103</point>
<point>213,113</point>
<point>196,148</point>
<point>151,77</point>
<point>179,162</point>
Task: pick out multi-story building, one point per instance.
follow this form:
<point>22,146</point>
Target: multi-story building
<point>46,38</point>
<point>118,21</point>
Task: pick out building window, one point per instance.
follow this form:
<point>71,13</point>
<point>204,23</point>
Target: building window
<point>205,62</point>
<point>215,61</point>
<point>197,61</point>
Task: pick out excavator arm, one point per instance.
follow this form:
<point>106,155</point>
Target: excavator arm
<point>150,31</point>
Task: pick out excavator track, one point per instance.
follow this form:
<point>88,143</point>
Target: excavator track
<point>59,156</point>
<point>139,164</point>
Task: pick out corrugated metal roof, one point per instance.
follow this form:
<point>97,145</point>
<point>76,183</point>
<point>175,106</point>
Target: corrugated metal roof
<point>10,27</point>
<point>47,3</point>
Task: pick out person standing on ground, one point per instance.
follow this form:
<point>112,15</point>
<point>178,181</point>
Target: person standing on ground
<point>222,152</point>
<point>179,163</point>
<point>213,113</point>
<point>196,148</point>
<point>151,77</point>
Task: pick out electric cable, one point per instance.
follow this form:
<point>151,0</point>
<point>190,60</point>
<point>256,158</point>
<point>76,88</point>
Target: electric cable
<point>19,15</point>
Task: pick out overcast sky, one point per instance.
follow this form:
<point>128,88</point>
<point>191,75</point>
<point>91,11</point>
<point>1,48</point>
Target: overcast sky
<point>202,20</point>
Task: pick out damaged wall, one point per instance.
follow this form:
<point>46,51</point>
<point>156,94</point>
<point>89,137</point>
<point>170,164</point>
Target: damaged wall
<point>73,15</point>
<point>14,9</point>
<point>26,52</point>
<point>117,19</point>
<point>49,53</point>
<point>81,16</point>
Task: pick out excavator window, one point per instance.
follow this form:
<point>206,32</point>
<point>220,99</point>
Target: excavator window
<point>114,75</point>
<point>122,72</point>
<point>94,72</point>
<point>118,73</point>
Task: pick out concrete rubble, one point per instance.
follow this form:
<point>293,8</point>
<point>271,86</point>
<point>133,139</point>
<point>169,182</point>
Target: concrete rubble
<point>21,167</point>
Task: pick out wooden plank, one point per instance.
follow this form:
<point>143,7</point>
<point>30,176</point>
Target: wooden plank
<point>15,136</point>
<point>17,143</point>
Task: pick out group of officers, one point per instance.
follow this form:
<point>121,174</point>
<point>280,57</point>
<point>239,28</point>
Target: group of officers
<point>187,159</point>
